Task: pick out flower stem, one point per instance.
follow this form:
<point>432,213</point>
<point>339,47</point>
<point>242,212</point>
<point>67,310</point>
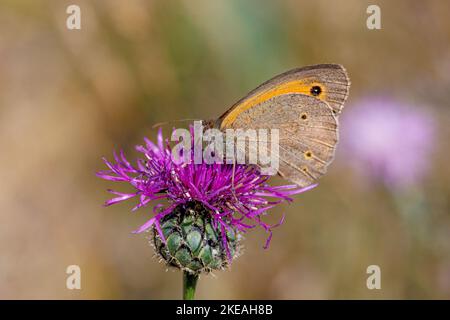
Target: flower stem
<point>189,284</point>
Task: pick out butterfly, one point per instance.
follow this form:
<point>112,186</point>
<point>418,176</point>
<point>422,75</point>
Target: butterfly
<point>304,104</point>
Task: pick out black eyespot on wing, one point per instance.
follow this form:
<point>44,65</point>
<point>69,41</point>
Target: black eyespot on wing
<point>316,90</point>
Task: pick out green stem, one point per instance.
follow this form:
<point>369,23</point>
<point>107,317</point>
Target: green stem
<point>189,283</point>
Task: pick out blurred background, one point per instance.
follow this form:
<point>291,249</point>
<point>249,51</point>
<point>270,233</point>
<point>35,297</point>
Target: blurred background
<point>69,97</point>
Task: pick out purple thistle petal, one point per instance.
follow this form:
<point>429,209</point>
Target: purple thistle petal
<point>122,197</point>
<point>145,226</point>
<point>269,238</point>
<point>160,233</point>
<point>259,211</point>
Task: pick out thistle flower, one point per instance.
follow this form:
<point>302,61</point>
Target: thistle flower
<point>389,141</point>
<point>205,209</point>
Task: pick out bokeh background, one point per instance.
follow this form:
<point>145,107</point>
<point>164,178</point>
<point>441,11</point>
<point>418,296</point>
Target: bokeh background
<point>67,98</point>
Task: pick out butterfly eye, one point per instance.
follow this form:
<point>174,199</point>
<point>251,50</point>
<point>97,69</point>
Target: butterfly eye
<point>316,90</point>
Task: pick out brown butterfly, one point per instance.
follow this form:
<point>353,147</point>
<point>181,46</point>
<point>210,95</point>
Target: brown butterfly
<point>304,105</point>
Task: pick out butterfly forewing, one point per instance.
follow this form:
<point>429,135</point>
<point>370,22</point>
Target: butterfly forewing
<point>307,134</point>
<point>326,82</point>
<point>303,104</point>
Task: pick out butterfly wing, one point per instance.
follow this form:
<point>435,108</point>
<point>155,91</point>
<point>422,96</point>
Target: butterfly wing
<point>307,134</point>
<point>326,82</point>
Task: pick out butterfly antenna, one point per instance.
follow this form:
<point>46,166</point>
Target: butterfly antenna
<point>160,124</point>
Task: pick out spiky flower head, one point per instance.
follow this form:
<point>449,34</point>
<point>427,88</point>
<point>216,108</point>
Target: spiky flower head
<point>206,206</point>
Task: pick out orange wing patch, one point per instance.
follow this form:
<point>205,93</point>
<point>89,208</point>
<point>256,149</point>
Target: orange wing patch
<point>304,86</point>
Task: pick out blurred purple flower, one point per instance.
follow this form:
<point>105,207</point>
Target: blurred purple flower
<point>158,176</point>
<point>388,140</point>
